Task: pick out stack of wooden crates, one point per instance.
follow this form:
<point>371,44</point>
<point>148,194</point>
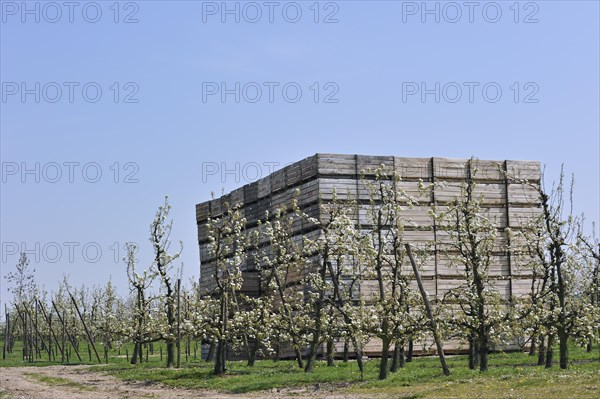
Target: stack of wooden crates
<point>507,202</point>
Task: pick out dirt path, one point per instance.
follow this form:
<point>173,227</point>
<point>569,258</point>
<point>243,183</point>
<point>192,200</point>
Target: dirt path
<point>78,382</point>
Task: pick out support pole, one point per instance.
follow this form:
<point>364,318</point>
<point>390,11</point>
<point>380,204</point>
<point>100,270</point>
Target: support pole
<point>64,323</point>
<point>6,345</point>
<point>87,332</point>
<point>432,323</point>
<point>178,323</point>
<point>49,321</point>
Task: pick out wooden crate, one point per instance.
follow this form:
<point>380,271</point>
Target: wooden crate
<point>293,174</point>
<point>367,165</point>
<point>412,192</point>
<point>521,287</point>
<point>413,168</point>
<point>418,216</point>
<point>489,171</point>
<point>491,193</point>
<point>344,188</point>
<point>529,170</point>
<point>520,216</point>
<point>523,194</point>
<point>449,169</point>
<point>202,211</point>
<point>308,168</point>
<point>216,207</point>
<point>336,164</point>
<point>264,187</point>
<point>309,192</point>
<point>251,192</point>
<point>278,180</point>
<point>237,197</point>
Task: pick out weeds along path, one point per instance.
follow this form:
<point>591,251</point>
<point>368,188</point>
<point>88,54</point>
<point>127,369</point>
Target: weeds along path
<point>78,382</point>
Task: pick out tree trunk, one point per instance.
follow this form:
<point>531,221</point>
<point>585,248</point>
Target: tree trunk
<point>395,358</point>
<point>170,354</point>
<point>385,354</point>
<point>471,354</point>
<point>276,349</point>
<point>398,359</point>
<point>134,356</point>
<point>220,358</point>
<point>316,336</point>
<point>314,343</point>
<point>211,352</point>
<point>298,357</point>
<point>549,351</point>
<point>330,353</point>
<point>483,353</point>
<point>252,353</point>
<point>409,354</point>
<point>532,346</point>
<point>563,339</point>
<point>402,358</point>
<point>542,351</point>
<point>311,358</point>
<point>359,359</point>
<point>347,350</point>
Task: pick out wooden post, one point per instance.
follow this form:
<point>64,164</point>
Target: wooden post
<point>6,333</point>
<point>49,320</point>
<point>64,339</point>
<point>27,345</point>
<point>432,323</point>
<point>87,332</point>
<point>33,348</point>
<point>42,343</point>
<point>37,334</point>
<point>63,321</point>
<point>178,323</point>
<point>188,346</point>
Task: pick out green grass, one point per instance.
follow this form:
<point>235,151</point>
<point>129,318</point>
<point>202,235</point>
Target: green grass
<point>511,375</point>
<point>58,381</point>
<point>15,359</point>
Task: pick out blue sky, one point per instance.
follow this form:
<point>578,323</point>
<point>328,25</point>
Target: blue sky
<point>160,120</point>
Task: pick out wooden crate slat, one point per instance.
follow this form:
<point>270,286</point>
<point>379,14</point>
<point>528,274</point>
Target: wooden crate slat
<point>251,192</point>
<point>447,168</point>
<point>334,164</point>
<point>413,168</point>
<point>202,211</point>
<point>278,180</point>
<point>523,194</point>
<point>489,170</point>
<point>367,165</point>
<point>529,170</point>
<point>264,187</point>
<point>308,167</point>
<point>237,197</point>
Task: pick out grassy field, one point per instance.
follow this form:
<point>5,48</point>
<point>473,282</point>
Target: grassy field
<point>511,375</point>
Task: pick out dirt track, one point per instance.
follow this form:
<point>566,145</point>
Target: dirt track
<point>24,383</point>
